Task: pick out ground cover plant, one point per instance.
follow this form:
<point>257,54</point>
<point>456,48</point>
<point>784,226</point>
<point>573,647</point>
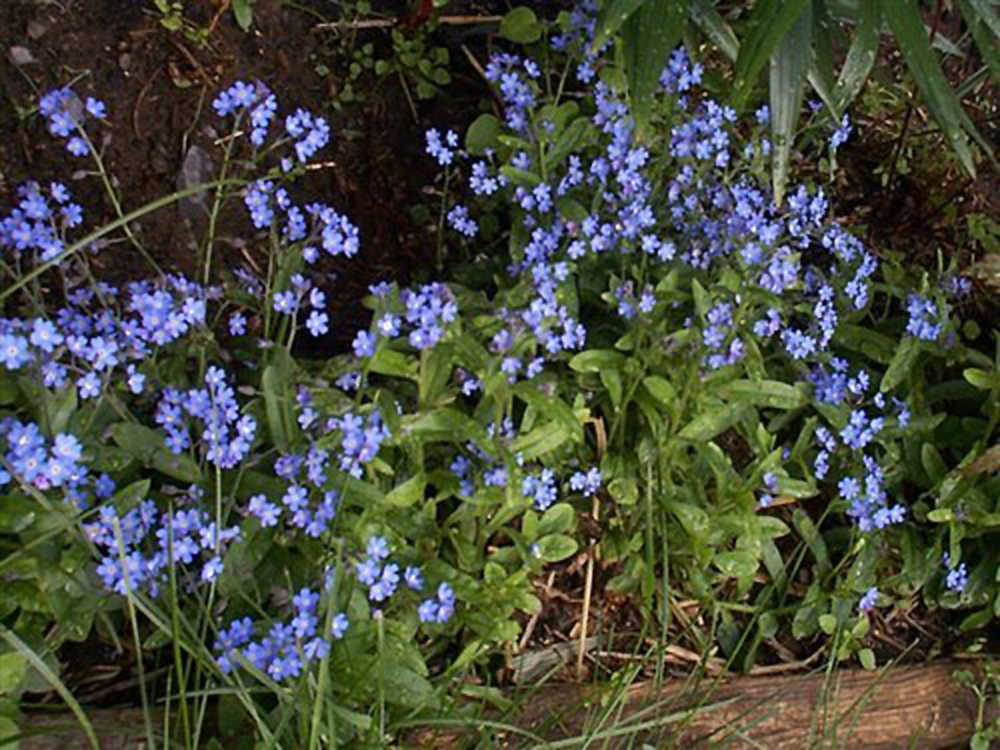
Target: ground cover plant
<point>629,343</point>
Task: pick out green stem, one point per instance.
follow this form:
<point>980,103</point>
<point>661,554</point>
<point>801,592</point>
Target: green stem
<point>84,242</point>
<point>113,195</point>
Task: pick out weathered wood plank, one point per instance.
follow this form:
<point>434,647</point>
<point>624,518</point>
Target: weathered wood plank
<point>911,706</point>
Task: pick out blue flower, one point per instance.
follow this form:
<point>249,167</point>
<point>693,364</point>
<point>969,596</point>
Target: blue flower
<point>237,324</point>
<point>868,600</point>
<point>841,134</point>
<point>588,482</point>
<point>14,351</point>
<point>339,625</point>
<point>89,385</point>
<point>317,323</point>
<point>285,302</point>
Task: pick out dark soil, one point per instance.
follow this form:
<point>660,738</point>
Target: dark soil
<point>158,86</point>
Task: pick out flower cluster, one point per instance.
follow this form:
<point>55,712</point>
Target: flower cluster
<point>255,98</point>
<point>31,460</point>
<point>66,116</point>
<point>426,312</point>
<point>93,345</point>
<point>957,577</point>
<point>541,488</point>
<point>226,436</point>
<point>443,152</point>
<point>288,648</point>
<point>588,483</point>
<point>40,221</point>
<point>382,577</point>
<point>185,539</point>
<point>925,318</point>
<point>360,439</point>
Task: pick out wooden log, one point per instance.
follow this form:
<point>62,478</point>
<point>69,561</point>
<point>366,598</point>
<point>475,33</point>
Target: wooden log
<point>907,706</point>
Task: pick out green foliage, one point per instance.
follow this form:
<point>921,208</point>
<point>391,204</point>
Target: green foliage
<point>420,66</point>
<point>638,381</point>
<point>796,39</point>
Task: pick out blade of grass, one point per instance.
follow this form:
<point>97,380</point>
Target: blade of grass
<point>787,86</point>
<point>707,18</point>
<point>770,23</point>
<point>904,20</point>
<point>820,73</point>
<point>860,57</point>
<point>649,36</point>
<point>53,679</point>
<point>987,43</point>
<point>982,10</point>
<point>613,17</point>
<point>128,218</point>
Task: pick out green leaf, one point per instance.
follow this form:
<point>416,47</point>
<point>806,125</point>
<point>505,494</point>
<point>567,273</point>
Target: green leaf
<point>521,25</point>
<point>707,18</point>
<point>53,409</point>
<point>624,490</point>
<point>16,513</point>
<point>596,360</point>
<point>275,383</point>
<point>986,42</point>
<point>147,446</point>
<point>13,668</point>
<point>770,393</point>
<point>981,379</point>
<point>713,422</point>
<point>9,728</point>
<point>568,140</point>
<point>406,688</point>
<point>649,36</point>
<point>976,620</point>
<point>541,440</point>
<point>901,364</point>
<point>662,390</point>
<point>796,488</point>
<point>770,23</point>
<point>435,372</point>
<point>983,11</point>
<point>867,658</point>
<point>558,519</point>
<point>129,497</point>
<point>612,380</point>
<point>820,72</point>
<point>905,21</point>
<point>860,56</point>
<point>408,493</point>
<point>736,563</point>
<point>243,14</point>
<point>692,518</point>
<point>556,547</point>
<point>482,134</point>
<point>520,176</point>
<point>446,425</point>
<point>787,86</point>
<point>612,17</point>
<point>813,539</point>
<point>932,462</point>
<point>828,624</point>
<point>771,527</point>
<point>866,341</point>
<point>396,364</point>
<point>550,406</point>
